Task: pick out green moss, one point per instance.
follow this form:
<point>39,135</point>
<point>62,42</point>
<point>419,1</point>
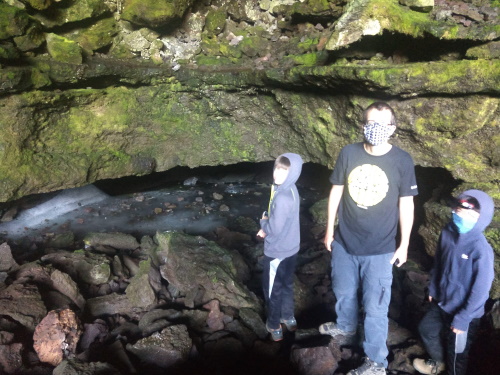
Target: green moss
<point>13,21</point>
<point>63,49</point>
<point>154,13</point>
<point>308,44</point>
<point>308,59</point>
<point>212,60</point>
<point>96,36</point>
<point>39,4</point>
<point>215,21</point>
<point>39,79</point>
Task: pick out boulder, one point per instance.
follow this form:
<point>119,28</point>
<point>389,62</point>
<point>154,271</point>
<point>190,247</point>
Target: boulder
<point>76,367</point>
<point>253,320</point>
<point>111,304</point>
<point>120,241</point>
<point>201,271</point>
<point>7,262</point>
<point>82,266</point>
<point>56,337</point>
<point>156,14</point>
<point>11,359</point>
<point>13,21</point>
<point>319,212</point>
<point>164,349</point>
<point>95,37</point>
<point>51,278</point>
<point>23,304</point>
<point>318,360</point>
<point>71,11</point>
<point>63,49</point>
<point>157,319</point>
<point>140,293</point>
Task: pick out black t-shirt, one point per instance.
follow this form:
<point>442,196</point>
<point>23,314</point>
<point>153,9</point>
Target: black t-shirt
<point>369,209</point>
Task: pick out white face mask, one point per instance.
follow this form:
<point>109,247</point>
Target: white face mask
<point>377,134</point>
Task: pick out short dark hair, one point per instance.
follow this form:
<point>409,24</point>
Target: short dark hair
<point>380,106</point>
<point>282,162</point>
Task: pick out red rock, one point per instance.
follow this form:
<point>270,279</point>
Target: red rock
<point>56,336</point>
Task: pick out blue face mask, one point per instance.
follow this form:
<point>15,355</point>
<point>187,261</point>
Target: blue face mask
<point>463,225</point>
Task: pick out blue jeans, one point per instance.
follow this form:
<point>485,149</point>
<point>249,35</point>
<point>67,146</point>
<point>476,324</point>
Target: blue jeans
<point>373,273</point>
<point>439,339</point>
<point>277,283</point>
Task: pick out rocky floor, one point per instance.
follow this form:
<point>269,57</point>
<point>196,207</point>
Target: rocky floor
<point>160,276</point>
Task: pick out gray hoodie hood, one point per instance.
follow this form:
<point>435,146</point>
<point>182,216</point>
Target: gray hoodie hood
<point>293,172</point>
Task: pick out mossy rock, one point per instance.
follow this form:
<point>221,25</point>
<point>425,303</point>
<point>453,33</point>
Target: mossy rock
<point>374,17</point>
<point>253,46</point>
<point>62,13</point>
<point>210,45</point>
<point>139,291</point>
<point>13,21</point>
<point>63,49</point>
<point>319,212</point>
<point>212,60</point>
<point>97,36</point>
<point>33,38</point>
<point>8,51</point>
<point>39,4</point>
<point>308,59</point>
<point>154,13</point>
<point>486,51</point>
<point>215,21</point>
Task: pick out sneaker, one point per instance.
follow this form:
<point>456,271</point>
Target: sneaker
<point>332,329</point>
<point>369,368</point>
<point>276,334</point>
<point>290,324</point>
<point>428,366</point>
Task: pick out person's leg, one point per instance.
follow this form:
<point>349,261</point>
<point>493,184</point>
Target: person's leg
<point>376,278</point>
<point>345,283</point>
<point>272,291</point>
<point>456,363</point>
<point>285,273</point>
<point>430,328</point>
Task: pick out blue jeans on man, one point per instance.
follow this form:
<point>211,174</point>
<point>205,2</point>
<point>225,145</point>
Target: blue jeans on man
<point>373,274</point>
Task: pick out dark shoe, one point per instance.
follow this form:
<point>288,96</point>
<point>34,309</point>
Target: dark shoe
<point>276,334</point>
<point>428,366</point>
<point>333,330</point>
<point>290,324</point>
<point>369,368</point>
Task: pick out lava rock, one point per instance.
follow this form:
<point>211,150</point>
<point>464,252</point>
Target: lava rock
<point>164,349</point>
<point>56,337</point>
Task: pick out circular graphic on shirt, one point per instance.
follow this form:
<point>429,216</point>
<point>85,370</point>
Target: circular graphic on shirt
<point>368,185</point>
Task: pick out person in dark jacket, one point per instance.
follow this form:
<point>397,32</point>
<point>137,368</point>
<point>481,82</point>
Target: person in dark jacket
<point>459,287</point>
<point>281,232</point>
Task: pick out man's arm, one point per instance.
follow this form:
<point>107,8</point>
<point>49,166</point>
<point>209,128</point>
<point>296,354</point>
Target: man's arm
<point>406,208</point>
<point>333,206</point>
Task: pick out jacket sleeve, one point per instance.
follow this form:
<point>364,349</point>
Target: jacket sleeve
<point>279,216</point>
<point>479,291</point>
<point>436,272</point>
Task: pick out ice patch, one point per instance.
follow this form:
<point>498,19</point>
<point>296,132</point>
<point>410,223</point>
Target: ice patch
<point>64,202</point>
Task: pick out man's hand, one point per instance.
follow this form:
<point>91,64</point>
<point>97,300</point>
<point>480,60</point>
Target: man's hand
<point>430,298</point>
<point>261,234</point>
<point>328,241</point>
<point>457,331</point>
<point>401,254</point>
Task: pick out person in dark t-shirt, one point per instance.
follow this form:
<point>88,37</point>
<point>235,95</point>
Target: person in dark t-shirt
<point>373,188</point>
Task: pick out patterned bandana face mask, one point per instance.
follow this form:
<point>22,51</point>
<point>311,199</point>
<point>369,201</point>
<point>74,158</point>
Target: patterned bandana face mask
<point>377,134</point>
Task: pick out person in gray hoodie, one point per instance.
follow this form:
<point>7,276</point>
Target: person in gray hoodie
<point>280,229</point>
<point>459,287</point>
